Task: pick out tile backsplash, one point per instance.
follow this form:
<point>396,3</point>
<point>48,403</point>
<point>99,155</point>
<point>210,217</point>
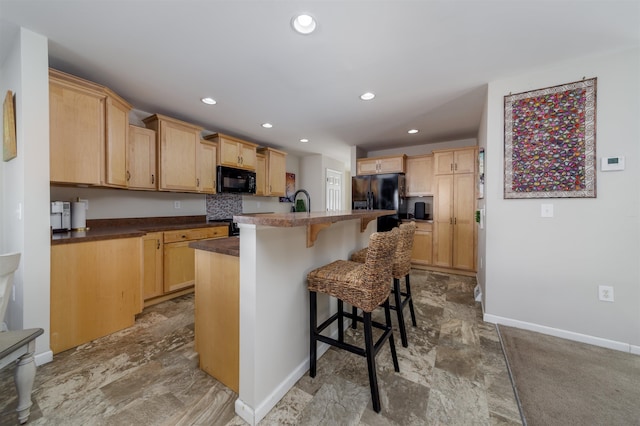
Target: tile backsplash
<point>223,206</point>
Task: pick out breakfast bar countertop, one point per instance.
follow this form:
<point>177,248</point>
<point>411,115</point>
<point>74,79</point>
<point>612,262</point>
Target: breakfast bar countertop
<point>314,218</point>
<point>229,246</point>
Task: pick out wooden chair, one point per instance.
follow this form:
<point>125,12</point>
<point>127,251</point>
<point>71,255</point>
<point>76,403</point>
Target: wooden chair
<point>401,269</point>
<point>366,286</point>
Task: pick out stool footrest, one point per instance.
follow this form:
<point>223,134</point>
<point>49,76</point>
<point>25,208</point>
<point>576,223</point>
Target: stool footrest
<point>349,347</point>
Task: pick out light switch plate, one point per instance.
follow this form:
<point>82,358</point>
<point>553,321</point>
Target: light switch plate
<point>546,210</point>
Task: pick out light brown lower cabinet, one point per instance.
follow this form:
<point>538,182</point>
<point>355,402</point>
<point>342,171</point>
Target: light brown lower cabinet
<point>179,260</point>
<point>90,296</point>
<point>217,316</point>
<point>152,265</point>
<point>454,221</point>
<point>422,244</point>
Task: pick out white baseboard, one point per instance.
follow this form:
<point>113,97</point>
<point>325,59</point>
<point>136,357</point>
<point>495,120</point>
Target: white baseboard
<point>564,334</point>
<point>43,358</point>
<point>252,416</point>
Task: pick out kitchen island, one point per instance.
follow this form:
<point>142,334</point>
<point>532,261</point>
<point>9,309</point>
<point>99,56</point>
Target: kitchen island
<point>276,253</point>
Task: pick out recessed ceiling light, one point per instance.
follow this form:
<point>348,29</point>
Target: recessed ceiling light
<point>267,125</point>
<point>413,131</point>
<point>209,101</point>
<point>304,140</point>
<point>304,24</point>
<point>367,96</point>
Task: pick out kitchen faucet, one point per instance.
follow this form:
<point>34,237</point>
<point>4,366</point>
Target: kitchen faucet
<point>308,199</point>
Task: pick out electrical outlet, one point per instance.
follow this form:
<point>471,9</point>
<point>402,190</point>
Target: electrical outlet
<point>177,205</point>
<point>605,293</point>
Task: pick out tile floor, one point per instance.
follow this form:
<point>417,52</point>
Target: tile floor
<point>452,373</point>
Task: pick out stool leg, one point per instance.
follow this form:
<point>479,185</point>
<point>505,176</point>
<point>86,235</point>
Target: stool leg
<point>392,345</point>
<point>413,313</point>
<point>313,329</point>
<point>354,312</point>
<point>371,361</point>
<point>340,321</point>
<point>398,301</point>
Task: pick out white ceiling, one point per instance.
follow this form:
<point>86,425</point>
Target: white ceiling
<point>427,61</point>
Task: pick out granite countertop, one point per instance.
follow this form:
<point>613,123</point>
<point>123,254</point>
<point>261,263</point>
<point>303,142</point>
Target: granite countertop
<point>286,220</point>
<point>229,246</point>
<point>109,229</point>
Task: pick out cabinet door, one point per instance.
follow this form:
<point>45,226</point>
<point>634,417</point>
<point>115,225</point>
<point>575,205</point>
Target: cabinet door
<point>117,119</point>
<point>142,158</point>
<point>366,166</point>
<point>247,156</point>
<point>178,167</point>
<point>91,298</point>
<point>464,161</point>
<point>152,265</point>
<point>443,221</point>
<point>178,266</point>
<point>261,175</point>
<point>391,165</point>
<point>276,171</point>
<point>76,134</point>
<point>422,246</point>
<point>443,163</point>
<point>229,153</point>
<point>464,221</point>
<point>207,167</point>
<point>419,175</point>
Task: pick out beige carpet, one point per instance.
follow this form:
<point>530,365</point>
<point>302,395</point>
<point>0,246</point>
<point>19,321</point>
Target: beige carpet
<point>561,382</point>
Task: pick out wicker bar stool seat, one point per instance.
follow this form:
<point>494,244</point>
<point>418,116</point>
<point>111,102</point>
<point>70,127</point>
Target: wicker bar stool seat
<point>401,269</point>
<point>366,286</point>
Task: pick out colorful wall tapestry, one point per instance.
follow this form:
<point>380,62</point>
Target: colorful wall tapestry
<point>550,142</point>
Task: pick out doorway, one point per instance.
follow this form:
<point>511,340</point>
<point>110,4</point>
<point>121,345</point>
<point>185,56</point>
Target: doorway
<point>334,190</point>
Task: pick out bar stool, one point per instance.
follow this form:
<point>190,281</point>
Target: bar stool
<point>401,269</point>
<point>365,285</point>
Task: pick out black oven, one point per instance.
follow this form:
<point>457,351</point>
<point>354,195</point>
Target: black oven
<point>235,180</point>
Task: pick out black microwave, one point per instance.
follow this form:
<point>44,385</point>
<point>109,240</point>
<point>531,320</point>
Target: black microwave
<point>235,180</point>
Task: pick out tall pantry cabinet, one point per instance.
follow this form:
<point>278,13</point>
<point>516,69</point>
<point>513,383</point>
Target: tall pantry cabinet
<point>454,209</point>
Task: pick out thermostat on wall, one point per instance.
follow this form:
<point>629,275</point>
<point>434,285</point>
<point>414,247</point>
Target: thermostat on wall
<point>611,163</point>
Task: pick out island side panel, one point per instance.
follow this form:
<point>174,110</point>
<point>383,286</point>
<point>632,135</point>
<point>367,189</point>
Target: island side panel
<point>217,324</point>
<point>274,305</point>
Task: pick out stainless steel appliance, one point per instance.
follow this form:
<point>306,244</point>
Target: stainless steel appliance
<point>235,180</point>
<point>385,192</point>
<point>60,216</point>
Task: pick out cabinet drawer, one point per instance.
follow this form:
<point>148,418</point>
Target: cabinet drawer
<point>195,234</point>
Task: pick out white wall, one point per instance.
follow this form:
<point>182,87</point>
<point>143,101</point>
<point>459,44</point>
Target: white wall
<point>25,186</point>
<point>543,273</point>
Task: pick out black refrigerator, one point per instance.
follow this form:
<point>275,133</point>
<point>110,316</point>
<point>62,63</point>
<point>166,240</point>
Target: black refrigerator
<point>380,192</point>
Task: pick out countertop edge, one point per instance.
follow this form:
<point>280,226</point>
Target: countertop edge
<point>285,220</point>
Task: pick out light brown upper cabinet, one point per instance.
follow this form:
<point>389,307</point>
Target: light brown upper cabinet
<point>461,160</point>
<point>142,158</point>
<point>178,143</point>
<point>233,152</point>
<point>207,157</point>
<point>261,174</point>
<point>275,165</point>
<point>77,129</point>
<point>419,175</point>
<point>117,140</point>
<point>379,165</point>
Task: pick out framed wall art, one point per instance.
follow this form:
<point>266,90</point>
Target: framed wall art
<point>9,143</point>
<point>550,142</point>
